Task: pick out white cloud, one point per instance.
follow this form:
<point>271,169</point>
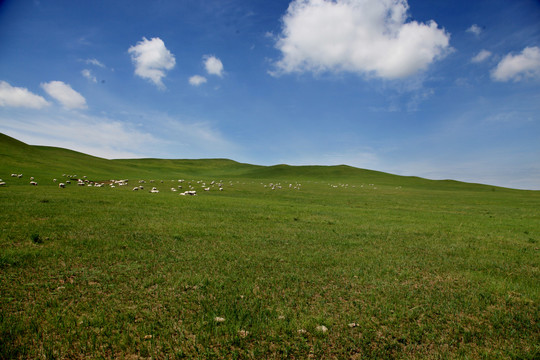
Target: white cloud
<point>95,62</point>
<point>20,97</point>
<point>475,29</point>
<point>519,67</point>
<point>151,59</point>
<point>91,135</point>
<point>213,65</point>
<point>65,95</point>
<point>360,36</point>
<point>197,80</point>
<point>88,74</point>
<point>481,56</point>
<point>155,134</point>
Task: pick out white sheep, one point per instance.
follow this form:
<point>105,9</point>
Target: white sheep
<point>61,185</point>
<point>33,183</point>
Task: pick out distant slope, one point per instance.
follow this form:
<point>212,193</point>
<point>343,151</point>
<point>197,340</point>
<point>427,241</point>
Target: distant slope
<point>320,172</point>
<point>51,162</point>
<point>188,167</point>
<point>18,157</point>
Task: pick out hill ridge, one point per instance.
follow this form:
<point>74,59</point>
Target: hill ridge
<point>17,156</point>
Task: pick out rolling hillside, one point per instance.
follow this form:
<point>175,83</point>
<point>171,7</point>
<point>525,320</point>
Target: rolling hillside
<point>44,161</point>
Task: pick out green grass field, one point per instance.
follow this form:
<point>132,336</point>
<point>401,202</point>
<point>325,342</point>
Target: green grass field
<point>391,266</point>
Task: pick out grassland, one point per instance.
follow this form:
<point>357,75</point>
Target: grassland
<point>393,267</point>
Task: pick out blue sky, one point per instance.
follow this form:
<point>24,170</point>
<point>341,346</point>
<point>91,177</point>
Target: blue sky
<point>437,89</point>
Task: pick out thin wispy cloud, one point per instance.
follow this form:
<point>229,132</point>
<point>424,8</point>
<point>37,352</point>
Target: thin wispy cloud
<point>65,95</point>
<point>115,137</point>
<point>481,56</point>
<point>198,137</point>
<point>88,75</point>
<point>523,66</point>
<point>92,135</point>
<point>475,29</point>
<point>11,96</point>
<point>370,37</point>
<point>95,62</point>
<point>151,60</point>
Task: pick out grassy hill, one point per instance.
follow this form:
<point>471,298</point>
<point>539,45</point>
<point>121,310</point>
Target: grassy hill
<point>48,162</point>
<point>292,262</point>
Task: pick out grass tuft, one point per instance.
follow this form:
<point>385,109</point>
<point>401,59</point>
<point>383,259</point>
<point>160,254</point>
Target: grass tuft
<point>36,239</point>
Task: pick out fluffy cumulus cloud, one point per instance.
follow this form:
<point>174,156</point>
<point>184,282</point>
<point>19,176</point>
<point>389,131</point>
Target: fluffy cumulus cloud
<point>65,95</point>
<point>20,97</point>
<point>525,65</point>
<point>481,56</point>
<point>213,65</point>
<point>151,59</point>
<point>197,80</point>
<point>361,36</point>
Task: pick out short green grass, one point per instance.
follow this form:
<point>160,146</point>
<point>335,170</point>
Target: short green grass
<point>423,269</point>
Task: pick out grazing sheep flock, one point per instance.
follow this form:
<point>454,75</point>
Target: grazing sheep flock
<point>191,185</point>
